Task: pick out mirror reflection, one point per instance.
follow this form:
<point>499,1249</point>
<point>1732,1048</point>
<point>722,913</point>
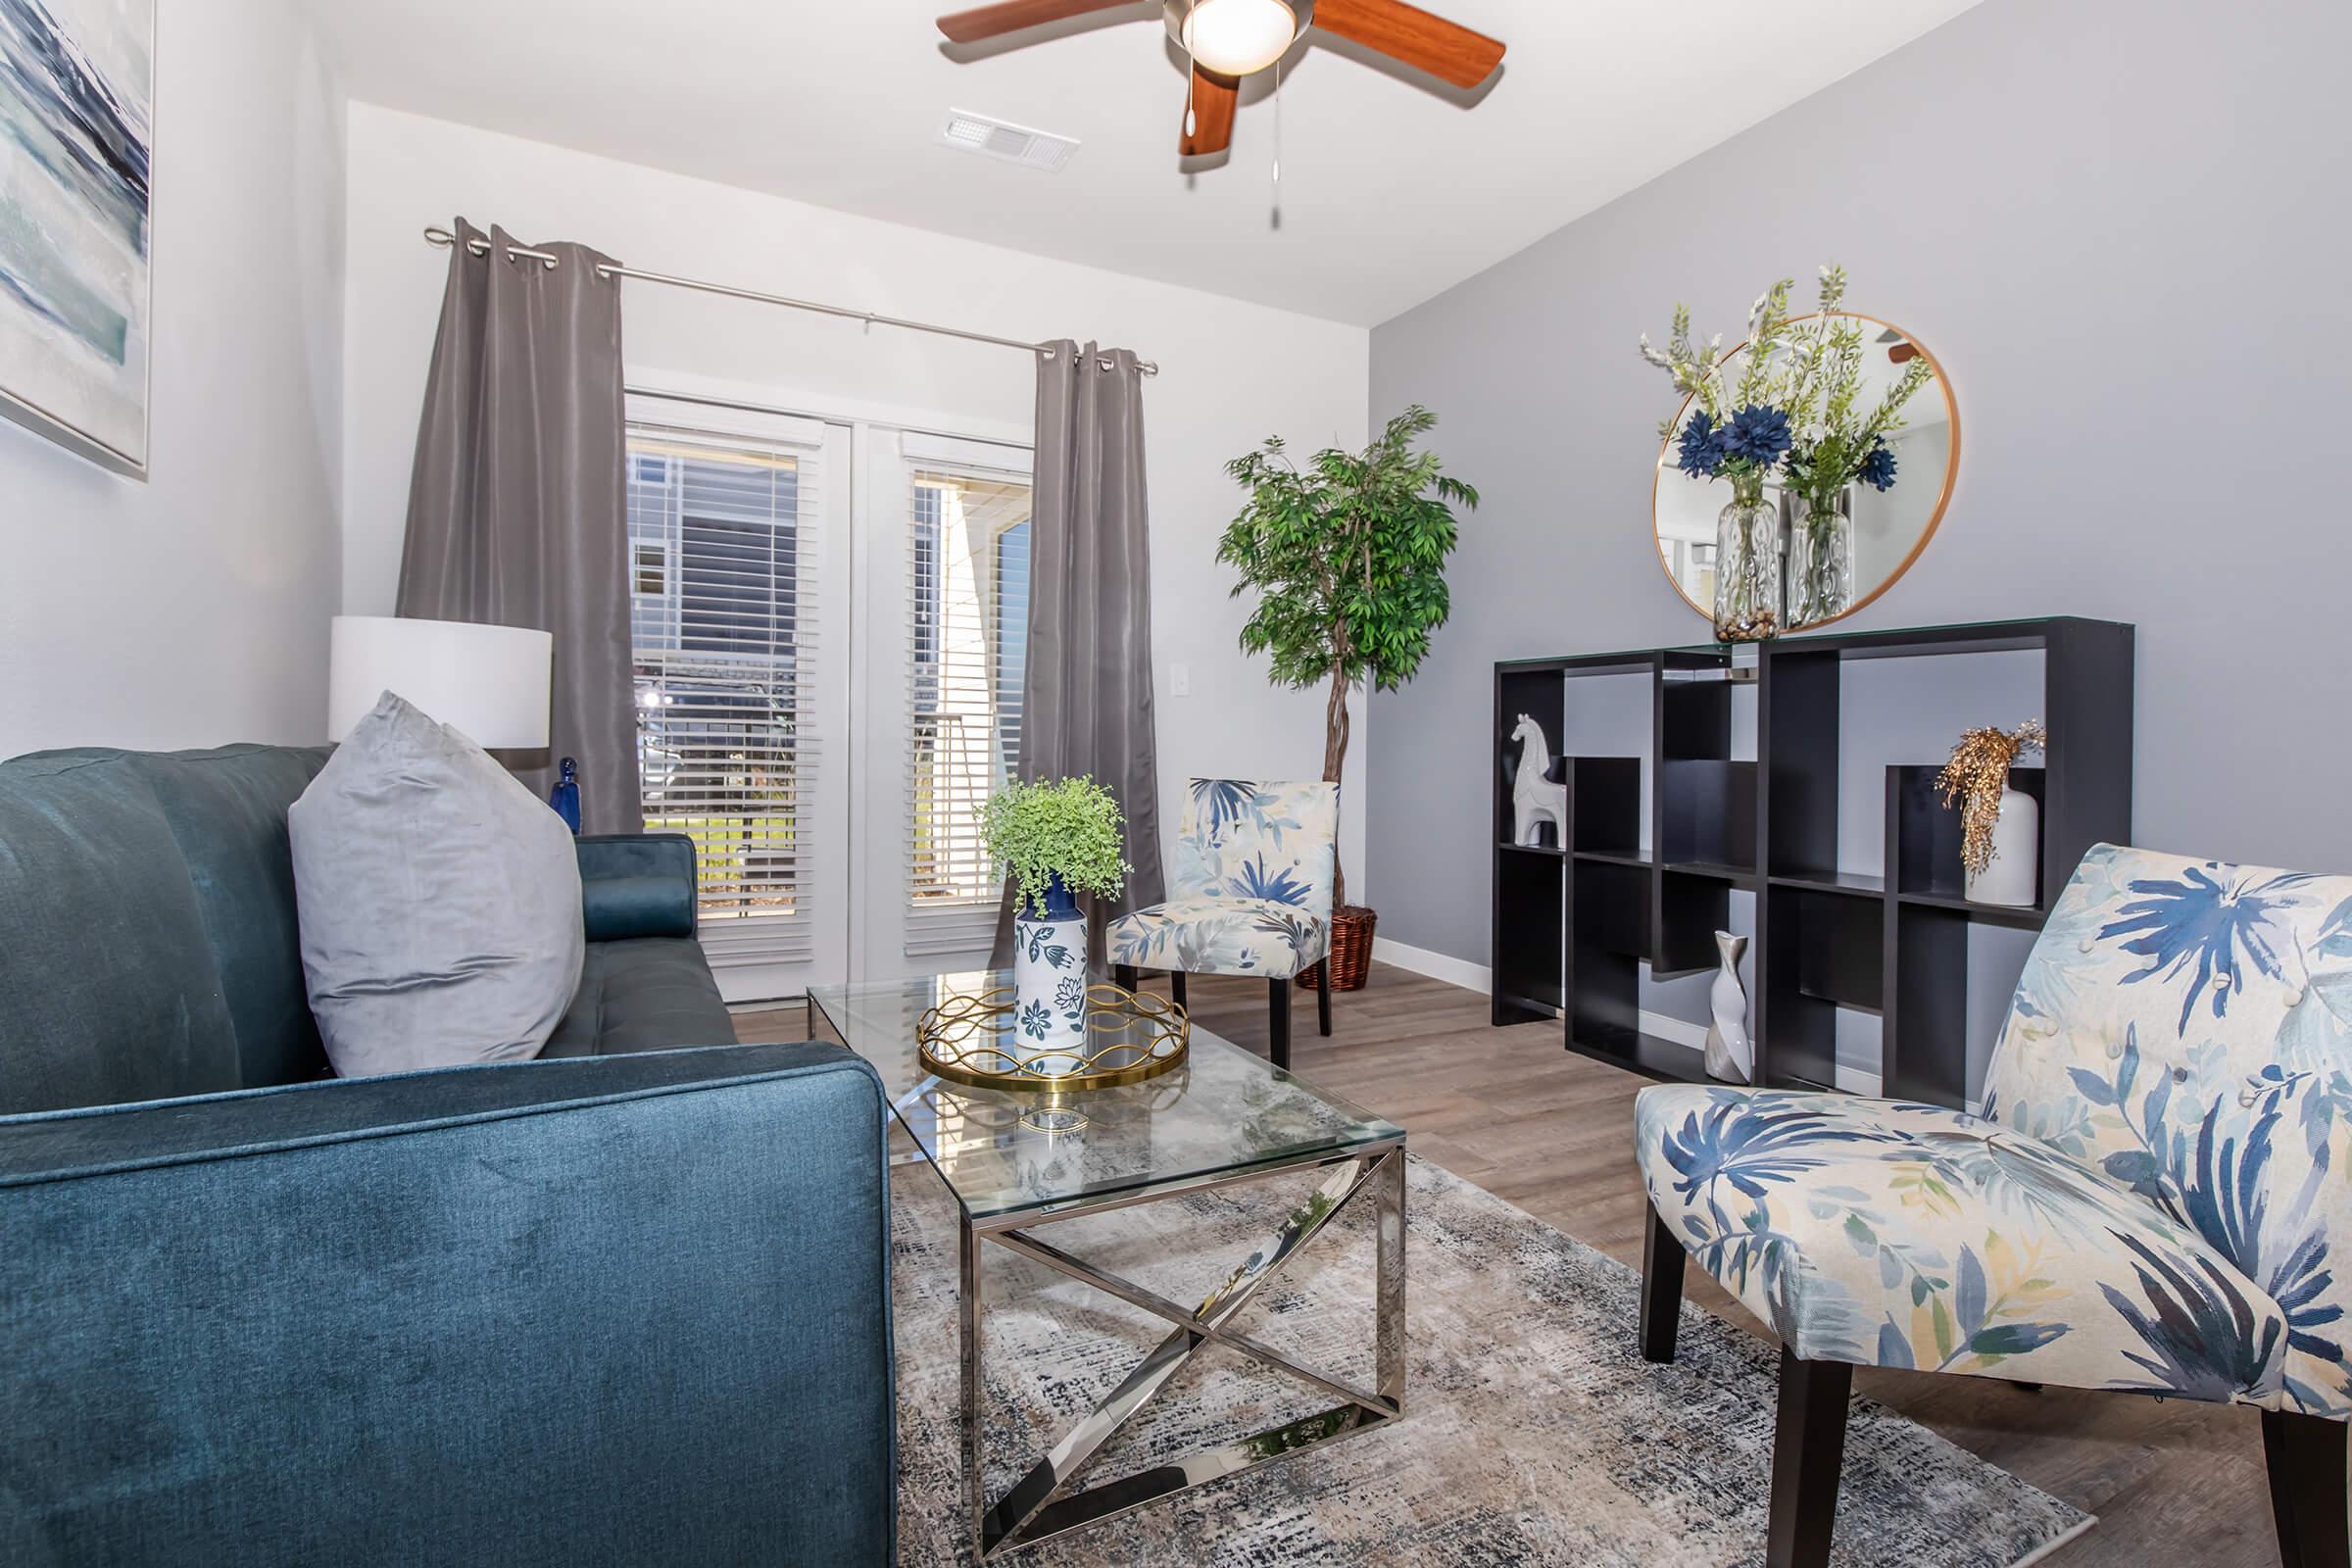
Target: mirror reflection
<point>1845,563</point>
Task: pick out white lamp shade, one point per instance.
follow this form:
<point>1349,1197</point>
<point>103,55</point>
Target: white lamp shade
<point>488,683</point>
<point>1240,37</point>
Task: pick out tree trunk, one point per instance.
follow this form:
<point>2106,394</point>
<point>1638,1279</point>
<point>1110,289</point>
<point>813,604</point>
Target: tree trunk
<point>1335,757</point>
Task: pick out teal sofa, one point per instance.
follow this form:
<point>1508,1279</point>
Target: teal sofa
<point>625,1303</point>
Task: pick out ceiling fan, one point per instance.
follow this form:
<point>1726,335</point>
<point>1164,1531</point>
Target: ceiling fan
<point>1229,39</point>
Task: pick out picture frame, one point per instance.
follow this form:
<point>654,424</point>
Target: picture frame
<point>76,224</point>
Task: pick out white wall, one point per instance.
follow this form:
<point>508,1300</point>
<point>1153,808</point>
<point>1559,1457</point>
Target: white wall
<point>192,610</point>
<point>1231,374</point>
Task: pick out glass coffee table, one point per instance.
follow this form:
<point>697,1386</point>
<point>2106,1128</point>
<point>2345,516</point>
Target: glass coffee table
<point>1015,1165</point>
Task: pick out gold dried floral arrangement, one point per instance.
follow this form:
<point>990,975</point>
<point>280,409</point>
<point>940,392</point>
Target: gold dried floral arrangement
<point>1978,772</point>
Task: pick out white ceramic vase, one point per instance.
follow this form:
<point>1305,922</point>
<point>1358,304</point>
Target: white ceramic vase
<point>1048,984</point>
<point>2009,877</point>
<point>1731,1054</point>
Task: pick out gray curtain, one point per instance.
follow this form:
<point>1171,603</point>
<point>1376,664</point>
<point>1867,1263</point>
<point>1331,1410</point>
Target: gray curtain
<point>516,514</point>
<point>1086,706</point>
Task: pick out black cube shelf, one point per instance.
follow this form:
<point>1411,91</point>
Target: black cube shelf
<point>1575,920</point>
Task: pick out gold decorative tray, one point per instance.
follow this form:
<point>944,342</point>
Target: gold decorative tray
<point>1131,1036</point>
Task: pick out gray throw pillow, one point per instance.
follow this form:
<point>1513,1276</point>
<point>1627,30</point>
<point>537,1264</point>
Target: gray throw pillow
<point>439,900</point>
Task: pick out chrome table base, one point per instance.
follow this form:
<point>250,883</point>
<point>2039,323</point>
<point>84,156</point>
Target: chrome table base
<point>1041,1503</point>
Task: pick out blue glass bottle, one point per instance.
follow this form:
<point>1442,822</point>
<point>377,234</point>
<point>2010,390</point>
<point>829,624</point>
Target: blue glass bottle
<point>564,795</point>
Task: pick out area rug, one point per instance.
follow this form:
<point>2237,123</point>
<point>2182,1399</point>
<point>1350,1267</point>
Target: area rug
<point>1533,1434</point>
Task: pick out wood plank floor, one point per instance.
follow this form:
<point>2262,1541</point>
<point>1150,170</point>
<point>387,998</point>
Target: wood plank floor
<point>1508,1108</point>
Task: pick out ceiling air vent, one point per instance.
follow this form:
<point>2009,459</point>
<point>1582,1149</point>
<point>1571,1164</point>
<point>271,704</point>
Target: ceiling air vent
<point>1014,144</point>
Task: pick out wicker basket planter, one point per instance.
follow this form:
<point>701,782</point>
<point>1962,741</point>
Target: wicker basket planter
<point>1351,958</point>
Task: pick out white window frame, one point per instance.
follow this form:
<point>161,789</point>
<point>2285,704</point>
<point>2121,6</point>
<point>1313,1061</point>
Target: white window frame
<point>891,938</point>
<point>867,523</point>
<point>755,958</point>
<point>969,561</point>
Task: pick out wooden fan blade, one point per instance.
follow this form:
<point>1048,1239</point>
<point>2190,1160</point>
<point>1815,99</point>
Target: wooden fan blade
<point>1409,34</point>
<point>984,22</point>
<point>1215,99</point>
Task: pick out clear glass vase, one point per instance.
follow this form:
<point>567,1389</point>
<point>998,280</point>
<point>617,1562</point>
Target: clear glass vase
<point>1821,558</point>
<point>1747,569</point>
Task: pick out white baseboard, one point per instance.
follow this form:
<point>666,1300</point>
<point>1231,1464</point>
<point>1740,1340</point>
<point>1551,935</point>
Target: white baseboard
<point>1683,1032</point>
<point>1436,965</point>
<point>1481,979</point>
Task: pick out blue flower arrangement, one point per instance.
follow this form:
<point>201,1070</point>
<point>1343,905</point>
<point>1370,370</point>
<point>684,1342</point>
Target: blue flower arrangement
<point>1793,418</point>
<point>1754,438</point>
<point>1794,410</point>
<point>1735,434</point>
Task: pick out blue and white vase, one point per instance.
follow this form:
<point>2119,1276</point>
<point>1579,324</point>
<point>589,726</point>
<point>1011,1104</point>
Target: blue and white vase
<point>1048,984</point>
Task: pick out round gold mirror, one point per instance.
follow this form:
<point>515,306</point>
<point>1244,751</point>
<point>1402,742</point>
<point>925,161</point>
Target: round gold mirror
<point>1883,529</point>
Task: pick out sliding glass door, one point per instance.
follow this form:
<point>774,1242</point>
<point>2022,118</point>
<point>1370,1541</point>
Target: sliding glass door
<point>739,573</point>
<point>948,543</point>
<point>828,621</point>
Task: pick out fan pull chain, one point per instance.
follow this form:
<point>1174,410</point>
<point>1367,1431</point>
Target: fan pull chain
<point>1277,132</point>
<point>1274,216</point>
<point>1191,86</point>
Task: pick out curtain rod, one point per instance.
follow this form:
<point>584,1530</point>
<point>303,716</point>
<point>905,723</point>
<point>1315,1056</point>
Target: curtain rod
<point>434,234</point>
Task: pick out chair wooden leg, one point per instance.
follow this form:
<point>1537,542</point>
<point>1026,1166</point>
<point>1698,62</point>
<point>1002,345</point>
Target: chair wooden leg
<point>1809,1451</point>
<point>2307,1458</point>
<point>1323,1002</point>
<point>1123,976</point>
<point>1662,1260</point>
<point>1176,989</point>
<point>1278,1017</point>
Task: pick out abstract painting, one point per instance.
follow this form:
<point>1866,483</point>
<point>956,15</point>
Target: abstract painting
<point>77,126</point>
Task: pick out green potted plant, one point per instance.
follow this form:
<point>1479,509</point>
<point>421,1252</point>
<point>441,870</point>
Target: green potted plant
<point>1348,560</point>
<point>1053,837</point>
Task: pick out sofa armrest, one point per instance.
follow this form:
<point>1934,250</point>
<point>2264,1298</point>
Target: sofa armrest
<point>611,1309</point>
<point>637,885</point>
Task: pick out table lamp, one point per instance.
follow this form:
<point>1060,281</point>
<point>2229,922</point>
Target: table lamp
<point>489,683</point>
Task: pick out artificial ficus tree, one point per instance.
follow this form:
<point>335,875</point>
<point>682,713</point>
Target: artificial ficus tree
<point>1347,557</point>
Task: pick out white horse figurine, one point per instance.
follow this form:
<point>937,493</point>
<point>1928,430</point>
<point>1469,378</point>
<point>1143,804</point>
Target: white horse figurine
<point>1533,796</point>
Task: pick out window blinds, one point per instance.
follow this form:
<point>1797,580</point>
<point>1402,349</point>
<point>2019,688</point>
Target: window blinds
<point>724,574</point>
<point>967,628</point>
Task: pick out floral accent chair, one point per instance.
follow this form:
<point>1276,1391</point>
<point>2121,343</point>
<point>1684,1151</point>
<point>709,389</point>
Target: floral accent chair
<point>2150,1203</point>
<point>1251,894</point>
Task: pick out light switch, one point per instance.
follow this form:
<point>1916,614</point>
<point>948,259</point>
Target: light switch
<point>1179,680</point>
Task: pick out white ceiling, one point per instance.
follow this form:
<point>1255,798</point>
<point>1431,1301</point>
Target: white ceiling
<point>1393,188</point>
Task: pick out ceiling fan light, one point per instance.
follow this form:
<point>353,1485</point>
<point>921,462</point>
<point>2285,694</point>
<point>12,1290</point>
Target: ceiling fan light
<point>1238,37</point>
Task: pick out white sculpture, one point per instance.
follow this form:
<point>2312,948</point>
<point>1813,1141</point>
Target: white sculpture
<point>1533,796</point>
<point>1731,1054</point>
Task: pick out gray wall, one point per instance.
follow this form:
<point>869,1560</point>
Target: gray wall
<point>2123,227</point>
